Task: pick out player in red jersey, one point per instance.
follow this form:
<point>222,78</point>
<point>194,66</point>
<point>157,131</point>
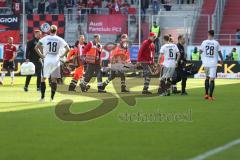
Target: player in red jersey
<point>9,54</point>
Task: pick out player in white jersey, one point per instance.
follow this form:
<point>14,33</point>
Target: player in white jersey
<point>49,49</point>
<point>210,52</point>
<point>171,57</point>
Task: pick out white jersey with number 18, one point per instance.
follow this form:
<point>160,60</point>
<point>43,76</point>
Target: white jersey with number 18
<point>52,46</point>
<point>210,49</point>
<point>170,52</point>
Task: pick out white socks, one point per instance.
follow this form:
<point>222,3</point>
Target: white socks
<point>12,74</point>
<point>3,75</point>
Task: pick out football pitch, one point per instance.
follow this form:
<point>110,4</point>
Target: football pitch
<point>132,127</point>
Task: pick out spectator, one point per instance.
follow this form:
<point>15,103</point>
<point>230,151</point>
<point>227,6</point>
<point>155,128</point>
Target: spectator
<point>69,5</point>
<point>61,4</point>
<point>98,3</point>
<point>116,7</point>
<point>81,11</point>
<point>238,36</point>
<point>125,6</point>
<point>109,5</point>
<point>3,4</point>
<point>91,5</point>
<point>155,5</point>
<point>167,5</point>
<point>52,6</point>
<point>16,7</point>
<point>143,6</point>
<point>188,1</point>
<point>29,7</point>
<point>41,7</point>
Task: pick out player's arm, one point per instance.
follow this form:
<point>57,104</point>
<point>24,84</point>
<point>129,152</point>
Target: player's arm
<point>178,58</point>
<point>220,54</point>
<point>67,49</point>
<point>221,57</point>
<point>15,53</point>
<point>160,57</point>
<point>39,49</point>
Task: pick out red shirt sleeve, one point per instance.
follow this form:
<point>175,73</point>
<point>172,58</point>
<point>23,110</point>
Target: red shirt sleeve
<point>87,48</point>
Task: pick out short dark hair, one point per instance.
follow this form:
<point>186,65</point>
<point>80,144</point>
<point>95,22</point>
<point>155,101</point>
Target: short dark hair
<point>96,35</point>
<point>166,38</point>
<point>76,43</point>
<point>211,33</point>
<point>180,36</point>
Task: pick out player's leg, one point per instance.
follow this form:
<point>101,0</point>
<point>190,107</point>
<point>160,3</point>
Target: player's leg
<point>45,75</point>
<point>87,77</point>
<point>147,79</point>
<point>4,71</point>
<point>212,75</point>
<point>162,87</point>
<point>55,75</point>
<point>170,72</point>
<point>11,69</point>
<point>53,87</point>
<point>38,68</point>
<point>206,69</point>
<point>99,78</point>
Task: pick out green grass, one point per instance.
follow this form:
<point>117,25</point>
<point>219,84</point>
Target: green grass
<point>30,130</point>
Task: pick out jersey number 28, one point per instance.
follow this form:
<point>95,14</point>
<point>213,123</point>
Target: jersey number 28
<point>210,50</point>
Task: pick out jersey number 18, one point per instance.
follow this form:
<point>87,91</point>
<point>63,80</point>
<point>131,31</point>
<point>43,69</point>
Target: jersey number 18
<point>52,46</point>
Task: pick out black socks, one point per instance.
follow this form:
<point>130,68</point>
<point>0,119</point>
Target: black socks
<point>43,89</point>
<point>53,89</point>
<point>212,85</point>
<point>206,86</point>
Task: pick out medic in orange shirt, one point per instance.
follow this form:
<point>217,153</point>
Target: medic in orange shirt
<point>76,55</point>
<point>121,55</point>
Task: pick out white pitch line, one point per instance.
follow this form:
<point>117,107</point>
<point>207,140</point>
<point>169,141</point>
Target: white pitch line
<point>216,150</point>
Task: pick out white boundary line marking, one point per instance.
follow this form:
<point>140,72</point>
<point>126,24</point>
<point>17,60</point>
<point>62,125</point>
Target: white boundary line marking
<point>216,150</point>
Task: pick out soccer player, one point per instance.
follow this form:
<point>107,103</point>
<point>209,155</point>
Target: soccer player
<point>32,56</point>
<point>171,59</point>
<point>120,55</point>
<point>210,50</point>
<point>146,58</point>
<point>49,49</point>
<point>9,55</point>
<point>93,51</point>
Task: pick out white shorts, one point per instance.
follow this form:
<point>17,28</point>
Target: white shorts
<point>211,71</point>
<point>51,67</point>
<point>167,72</point>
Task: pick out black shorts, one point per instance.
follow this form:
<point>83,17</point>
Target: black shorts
<point>8,66</point>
